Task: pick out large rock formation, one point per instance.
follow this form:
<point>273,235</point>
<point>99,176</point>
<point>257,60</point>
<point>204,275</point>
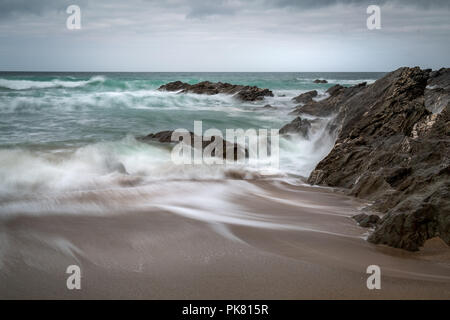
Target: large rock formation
<point>392,147</point>
<point>245,93</point>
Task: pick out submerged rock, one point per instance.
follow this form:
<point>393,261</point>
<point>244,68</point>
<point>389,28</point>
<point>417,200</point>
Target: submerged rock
<point>269,107</point>
<point>320,81</point>
<point>393,150</point>
<point>245,93</point>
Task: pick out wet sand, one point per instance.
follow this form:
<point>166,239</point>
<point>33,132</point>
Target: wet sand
<point>207,240</point>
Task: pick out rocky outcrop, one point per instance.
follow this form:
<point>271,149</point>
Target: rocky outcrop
<point>305,97</point>
<point>437,92</point>
<point>393,147</point>
<point>166,137</point>
<point>244,93</point>
<point>367,220</point>
<point>327,107</point>
<point>298,126</point>
<point>320,81</point>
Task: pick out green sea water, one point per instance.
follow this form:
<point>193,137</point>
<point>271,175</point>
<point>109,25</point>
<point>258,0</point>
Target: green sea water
<point>70,130</point>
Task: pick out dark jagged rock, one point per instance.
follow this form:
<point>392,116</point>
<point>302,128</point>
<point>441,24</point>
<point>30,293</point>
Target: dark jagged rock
<point>305,97</point>
<point>327,107</point>
<point>174,86</point>
<point>334,89</point>
<point>320,81</point>
<point>163,137</point>
<point>392,150</point>
<point>166,137</point>
<point>437,92</point>
<point>367,220</point>
<point>299,126</point>
<point>253,94</point>
<point>245,93</point>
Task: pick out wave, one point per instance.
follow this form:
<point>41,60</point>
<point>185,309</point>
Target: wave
<point>55,83</point>
<point>141,99</point>
<point>128,162</point>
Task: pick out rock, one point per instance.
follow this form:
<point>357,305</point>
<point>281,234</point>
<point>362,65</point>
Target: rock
<point>327,107</point>
<point>305,97</point>
<point>362,84</point>
<point>334,89</point>
<point>166,137</point>
<point>320,81</point>
<point>174,86</point>
<point>437,92</point>
<point>366,220</point>
<point>245,93</point>
<point>253,94</point>
<point>299,126</point>
<point>391,149</point>
<point>269,107</point>
<point>163,137</point>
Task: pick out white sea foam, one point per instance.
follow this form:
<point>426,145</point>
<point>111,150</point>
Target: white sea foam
<point>127,161</point>
<point>56,83</point>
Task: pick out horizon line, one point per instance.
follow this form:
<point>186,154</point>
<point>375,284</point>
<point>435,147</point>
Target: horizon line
<point>63,71</point>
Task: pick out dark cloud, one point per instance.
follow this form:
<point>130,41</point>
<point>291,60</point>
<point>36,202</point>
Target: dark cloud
<point>202,8</point>
<point>307,4</point>
<point>14,8</point>
<point>223,35</point>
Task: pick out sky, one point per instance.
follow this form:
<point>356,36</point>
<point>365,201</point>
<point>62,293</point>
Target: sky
<point>223,35</point>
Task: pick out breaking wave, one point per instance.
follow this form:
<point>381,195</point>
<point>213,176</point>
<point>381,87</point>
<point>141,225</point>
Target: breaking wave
<point>55,83</point>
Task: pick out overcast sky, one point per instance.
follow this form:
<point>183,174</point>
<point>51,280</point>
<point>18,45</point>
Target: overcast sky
<point>223,35</point>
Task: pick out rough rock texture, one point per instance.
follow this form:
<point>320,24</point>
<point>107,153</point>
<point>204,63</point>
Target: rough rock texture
<point>299,126</point>
<point>327,107</point>
<point>166,137</point>
<point>392,149</point>
<point>367,220</point>
<point>437,93</point>
<point>245,93</point>
<point>305,97</point>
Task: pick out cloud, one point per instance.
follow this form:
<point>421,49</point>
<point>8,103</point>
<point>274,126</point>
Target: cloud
<point>312,4</point>
<point>15,8</point>
<point>198,9</point>
<point>209,35</point>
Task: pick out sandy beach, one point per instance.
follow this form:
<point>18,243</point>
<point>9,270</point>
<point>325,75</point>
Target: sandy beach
<point>227,239</point>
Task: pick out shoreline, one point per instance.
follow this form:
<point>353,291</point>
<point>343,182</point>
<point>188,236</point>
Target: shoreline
<point>274,241</point>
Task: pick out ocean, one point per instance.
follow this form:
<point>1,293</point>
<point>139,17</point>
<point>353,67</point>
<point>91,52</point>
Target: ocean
<point>63,132</point>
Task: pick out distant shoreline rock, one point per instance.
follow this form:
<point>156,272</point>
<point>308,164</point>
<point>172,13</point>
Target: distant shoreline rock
<point>244,93</point>
<point>320,81</point>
